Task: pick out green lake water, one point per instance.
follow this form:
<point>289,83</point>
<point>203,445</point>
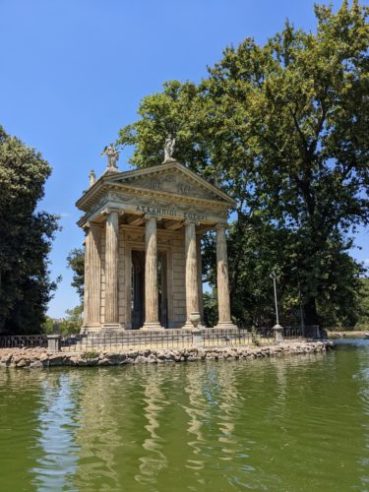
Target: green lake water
<point>292,424</point>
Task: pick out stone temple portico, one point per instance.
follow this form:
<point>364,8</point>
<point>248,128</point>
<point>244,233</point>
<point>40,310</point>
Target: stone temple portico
<point>143,256</point>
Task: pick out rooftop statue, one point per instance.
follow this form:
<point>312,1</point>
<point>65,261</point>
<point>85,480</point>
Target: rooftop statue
<point>169,148</point>
<point>92,177</point>
<point>113,156</point>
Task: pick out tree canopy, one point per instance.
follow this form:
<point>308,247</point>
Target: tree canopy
<point>25,238</point>
<point>76,262</point>
<point>283,128</point>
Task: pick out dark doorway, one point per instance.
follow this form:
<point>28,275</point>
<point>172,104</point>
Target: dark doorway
<point>163,291</point>
<point>138,289</point>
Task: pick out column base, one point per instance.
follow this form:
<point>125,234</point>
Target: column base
<point>92,328</point>
<point>189,326</point>
<point>105,329</point>
<point>226,325</point>
<point>152,326</point>
<point>112,328</point>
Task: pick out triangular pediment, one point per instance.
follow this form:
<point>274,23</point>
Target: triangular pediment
<point>170,178</point>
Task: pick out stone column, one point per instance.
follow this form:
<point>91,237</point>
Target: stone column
<point>92,292</point>
<point>192,287</point>
<point>199,272</point>
<point>224,310</point>
<point>111,270</point>
<point>151,276</point>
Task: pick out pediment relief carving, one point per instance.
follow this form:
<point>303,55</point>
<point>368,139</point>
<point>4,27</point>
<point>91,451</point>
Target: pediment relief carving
<point>174,182</point>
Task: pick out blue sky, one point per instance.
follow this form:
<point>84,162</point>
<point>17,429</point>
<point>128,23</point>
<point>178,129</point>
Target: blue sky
<point>73,73</point>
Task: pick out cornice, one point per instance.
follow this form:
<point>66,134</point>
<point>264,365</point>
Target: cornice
<point>173,197</point>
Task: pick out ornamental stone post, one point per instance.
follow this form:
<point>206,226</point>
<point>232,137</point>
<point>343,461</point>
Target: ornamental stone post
<point>192,288</point>
<point>92,292</point>
<point>224,310</point>
<point>111,270</point>
<point>151,276</point>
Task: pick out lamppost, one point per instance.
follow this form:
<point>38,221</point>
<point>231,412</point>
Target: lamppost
<point>277,328</point>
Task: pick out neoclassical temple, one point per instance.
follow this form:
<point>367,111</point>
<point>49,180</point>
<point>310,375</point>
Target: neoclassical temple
<point>142,249</point>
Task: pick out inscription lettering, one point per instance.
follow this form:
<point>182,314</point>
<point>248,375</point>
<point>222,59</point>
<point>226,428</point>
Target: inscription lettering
<point>171,212</point>
<point>193,216</point>
<point>148,209</point>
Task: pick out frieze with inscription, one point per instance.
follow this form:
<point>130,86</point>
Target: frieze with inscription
<point>172,212</point>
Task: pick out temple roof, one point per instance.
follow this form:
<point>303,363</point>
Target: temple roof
<point>170,180</point>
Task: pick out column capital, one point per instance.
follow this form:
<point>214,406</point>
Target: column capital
<point>221,225</point>
<point>109,210</point>
<point>150,216</point>
<point>190,222</point>
<point>90,224</point>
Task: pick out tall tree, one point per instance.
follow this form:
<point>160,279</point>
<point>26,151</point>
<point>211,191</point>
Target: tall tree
<point>76,261</point>
<point>283,128</point>
<point>26,236</point>
<point>300,107</point>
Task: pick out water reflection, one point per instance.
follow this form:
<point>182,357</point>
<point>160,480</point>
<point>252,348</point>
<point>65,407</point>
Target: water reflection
<point>283,424</point>
<point>99,437</point>
<point>154,460</point>
<point>195,408</point>
<point>57,464</point>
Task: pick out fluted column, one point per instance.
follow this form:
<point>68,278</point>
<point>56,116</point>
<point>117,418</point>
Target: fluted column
<point>111,270</point>
<point>224,309</point>
<point>199,273</point>
<point>151,276</point>
<point>192,287</point>
<point>92,289</point>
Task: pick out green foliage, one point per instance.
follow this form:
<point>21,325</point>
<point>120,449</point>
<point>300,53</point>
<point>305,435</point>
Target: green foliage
<point>210,309</point>
<point>48,326</point>
<point>76,261</point>
<point>72,322</point>
<point>69,325</point>
<point>363,322</point>
<point>283,128</point>
<point>26,236</point>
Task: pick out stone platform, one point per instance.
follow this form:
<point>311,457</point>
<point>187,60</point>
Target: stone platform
<point>41,358</point>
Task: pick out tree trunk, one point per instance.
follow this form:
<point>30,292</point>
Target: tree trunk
<point>310,312</point>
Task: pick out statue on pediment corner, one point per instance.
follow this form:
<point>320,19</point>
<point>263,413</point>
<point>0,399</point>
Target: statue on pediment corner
<point>169,148</point>
<point>113,155</point>
<point>92,177</point>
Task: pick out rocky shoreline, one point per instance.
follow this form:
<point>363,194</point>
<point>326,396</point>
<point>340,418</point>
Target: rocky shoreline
<point>41,358</point>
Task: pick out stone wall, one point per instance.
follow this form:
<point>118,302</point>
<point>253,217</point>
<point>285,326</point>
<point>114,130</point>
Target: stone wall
<point>178,281</point>
<point>41,358</point>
